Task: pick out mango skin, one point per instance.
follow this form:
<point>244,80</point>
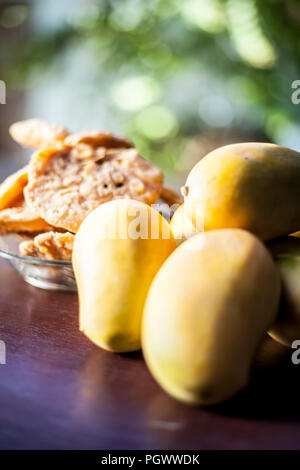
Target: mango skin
<point>254,186</point>
<point>206,313</point>
<point>114,274</point>
<point>286,252</point>
<point>181,226</point>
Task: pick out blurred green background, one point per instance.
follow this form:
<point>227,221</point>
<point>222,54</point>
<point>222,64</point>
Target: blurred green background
<point>179,77</point>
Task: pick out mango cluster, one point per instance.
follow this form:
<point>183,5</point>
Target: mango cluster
<point>201,309</point>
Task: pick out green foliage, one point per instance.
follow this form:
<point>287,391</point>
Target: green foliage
<point>176,68</point>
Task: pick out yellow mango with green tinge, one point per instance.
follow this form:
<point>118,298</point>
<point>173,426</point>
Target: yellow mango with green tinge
<point>118,250</point>
<point>254,186</point>
<point>206,313</point>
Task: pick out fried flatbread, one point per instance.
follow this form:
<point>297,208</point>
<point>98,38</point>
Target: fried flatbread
<point>63,189</point>
<point>38,134</point>
<point>170,196</point>
<point>97,139</point>
<point>49,245</point>
<point>21,219</point>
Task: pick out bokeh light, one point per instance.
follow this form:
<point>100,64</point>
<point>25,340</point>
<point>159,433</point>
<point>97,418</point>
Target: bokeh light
<point>135,93</point>
<point>173,75</point>
<point>208,15</point>
<point>156,123</point>
<point>253,46</point>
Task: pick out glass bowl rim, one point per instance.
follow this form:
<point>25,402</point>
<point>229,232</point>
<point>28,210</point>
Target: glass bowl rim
<point>32,260</point>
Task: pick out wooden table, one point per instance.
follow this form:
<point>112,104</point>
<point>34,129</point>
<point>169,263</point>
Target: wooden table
<point>59,391</point>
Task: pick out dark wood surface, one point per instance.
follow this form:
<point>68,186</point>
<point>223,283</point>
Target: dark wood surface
<point>59,391</point>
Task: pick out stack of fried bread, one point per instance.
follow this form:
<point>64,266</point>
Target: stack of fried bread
<point>67,177</point>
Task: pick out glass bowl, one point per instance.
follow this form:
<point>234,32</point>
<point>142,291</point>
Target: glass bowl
<point>42,273</point>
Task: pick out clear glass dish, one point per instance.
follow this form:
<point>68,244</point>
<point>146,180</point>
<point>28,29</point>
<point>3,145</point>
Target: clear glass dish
<point>42,273</point>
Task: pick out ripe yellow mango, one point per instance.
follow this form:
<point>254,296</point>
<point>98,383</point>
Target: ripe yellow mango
<point>254,186</point>
<point>206,313</point>
<point>181,226</point>
<point>118,250</point>
<point>286,252</point>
